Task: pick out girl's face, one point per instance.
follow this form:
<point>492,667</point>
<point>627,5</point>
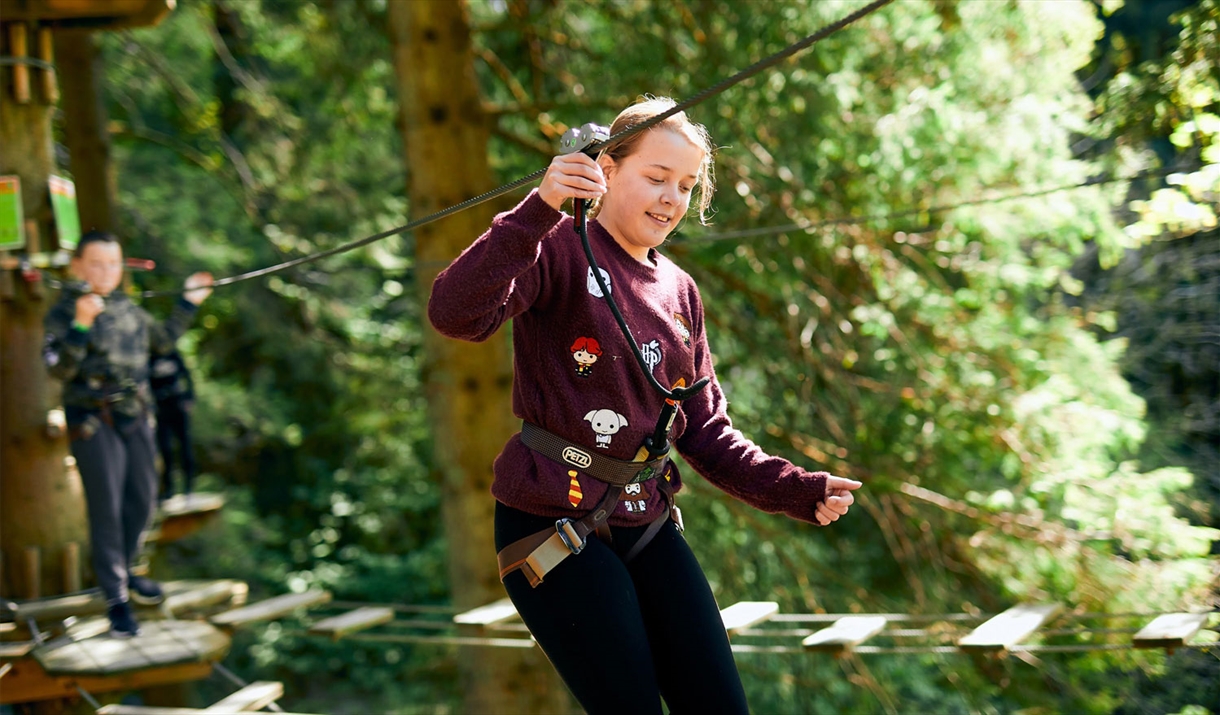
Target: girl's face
<point>101,266</point>
<point>648,192</point>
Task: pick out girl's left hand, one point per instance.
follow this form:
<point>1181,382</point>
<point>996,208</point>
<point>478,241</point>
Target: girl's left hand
<point>838,499</point>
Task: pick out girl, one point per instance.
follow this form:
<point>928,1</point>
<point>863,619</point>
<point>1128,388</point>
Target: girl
<point>629,618</point>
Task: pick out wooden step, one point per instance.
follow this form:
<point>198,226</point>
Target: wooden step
<point>54,608</point>
<point>270,609</point>
<point>747,613</point>
<point>184,596</point>
<point>180,597</point>
<point>353,621</point>
<point>255,696</point>
<point>15,649</point>
<point>845,634</point>
<point>145,710</point>
<point>1169,630</point>
<point>1009,628</point>
<point>490,614</point>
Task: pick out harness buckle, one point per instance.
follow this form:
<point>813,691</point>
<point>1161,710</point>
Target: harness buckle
<point>569,537</point>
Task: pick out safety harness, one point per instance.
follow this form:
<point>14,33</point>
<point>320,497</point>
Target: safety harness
<point>538,554</point>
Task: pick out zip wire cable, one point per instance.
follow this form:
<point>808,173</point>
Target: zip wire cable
<point>762,231</point>
<point>512,186</point>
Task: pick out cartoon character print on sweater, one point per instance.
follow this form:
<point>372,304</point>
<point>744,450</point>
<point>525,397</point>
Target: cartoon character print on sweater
<point>591,283</point>
<point>683,326</point>
<point>634,498</point>
<point>606,423</point>
<point>585,351</point>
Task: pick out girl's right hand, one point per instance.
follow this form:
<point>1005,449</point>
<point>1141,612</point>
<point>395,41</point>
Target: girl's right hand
<point>571,176</point>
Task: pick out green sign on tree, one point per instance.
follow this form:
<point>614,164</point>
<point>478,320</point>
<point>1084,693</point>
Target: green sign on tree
<point>63,205</point>
<point>12,225</point>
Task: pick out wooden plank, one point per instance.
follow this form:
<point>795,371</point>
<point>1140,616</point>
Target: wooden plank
<point>145,710</point>
<point>1169,630</point>
<point>845,634</point>
<point>14,650</point>
<point>182,516</point>
<point>255,696</point>
<point>270,609</point>
<point>1010,627</point>
<point>501,610</point>
<point>183,504</point>
<point>89,627</point>
<point>83,603</point>
<point>184,596</point>
<point>353,621</point>
<point>747,613</point>
<point>153,710</point>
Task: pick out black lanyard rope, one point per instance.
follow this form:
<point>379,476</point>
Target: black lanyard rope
<point>657,444</point>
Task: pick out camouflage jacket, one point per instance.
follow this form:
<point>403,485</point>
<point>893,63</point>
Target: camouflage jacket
<point>108,365</point>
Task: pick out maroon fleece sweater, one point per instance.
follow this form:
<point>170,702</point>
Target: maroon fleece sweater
<point>575,376</point>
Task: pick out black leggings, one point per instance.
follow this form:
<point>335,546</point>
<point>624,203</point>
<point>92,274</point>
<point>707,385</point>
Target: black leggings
<point>622,636</point>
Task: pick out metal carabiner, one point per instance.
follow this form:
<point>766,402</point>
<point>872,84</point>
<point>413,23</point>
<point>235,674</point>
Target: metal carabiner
<point>582,139</point>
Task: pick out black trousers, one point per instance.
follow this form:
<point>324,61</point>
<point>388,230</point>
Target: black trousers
<point>624,636</point>
<point>117,466</point>
<point>174,424</point>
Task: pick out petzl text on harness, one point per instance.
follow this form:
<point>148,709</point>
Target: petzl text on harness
<point>539,553</point>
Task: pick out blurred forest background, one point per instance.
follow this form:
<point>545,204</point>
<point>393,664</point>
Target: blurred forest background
<point>1029,388</point>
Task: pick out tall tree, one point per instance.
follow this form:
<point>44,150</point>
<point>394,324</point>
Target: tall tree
<point>469,387</point>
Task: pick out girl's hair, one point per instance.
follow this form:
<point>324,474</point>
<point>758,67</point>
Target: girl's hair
<point>646,109</point>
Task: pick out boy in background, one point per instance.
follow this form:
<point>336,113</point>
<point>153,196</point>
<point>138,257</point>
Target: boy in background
<point>98,343</point>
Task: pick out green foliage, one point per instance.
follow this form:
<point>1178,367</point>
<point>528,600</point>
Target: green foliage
<point>938,349</point>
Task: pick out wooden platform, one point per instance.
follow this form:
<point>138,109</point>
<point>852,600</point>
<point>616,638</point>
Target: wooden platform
<point>161,643</point>
<point>26,681</point>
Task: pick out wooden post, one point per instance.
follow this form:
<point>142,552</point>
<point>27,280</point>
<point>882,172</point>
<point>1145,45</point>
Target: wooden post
<point>72,579</point>
<point>18,42</point>
<point>33,571</point>
<point>41,505</point>
<point>46,53</point>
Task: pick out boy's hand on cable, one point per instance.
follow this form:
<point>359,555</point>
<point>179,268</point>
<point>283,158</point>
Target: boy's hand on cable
<point>838,499</point>
<point>571,176</point>
<point>88,307</point>
<point>196,286</point>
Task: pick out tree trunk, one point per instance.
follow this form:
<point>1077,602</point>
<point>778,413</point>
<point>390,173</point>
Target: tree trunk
<point>85,128</point>
<point>468,385</point>
<point>42,503</point>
